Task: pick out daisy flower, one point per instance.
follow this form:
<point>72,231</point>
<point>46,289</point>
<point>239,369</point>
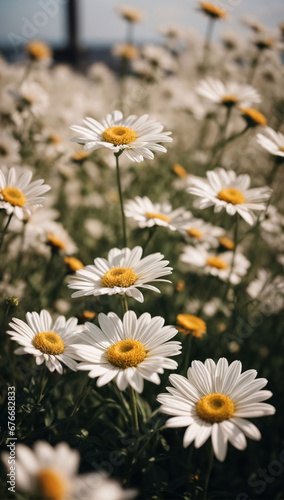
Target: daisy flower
<point>48,341</point>
<point>39,51</point>
<point>18,195</point>
<point>45,471</point>
<point>214,400</point>
<point>123,272</point>
<point>229,94</point>
<point>273,142</point>
<point>216,266</point>
<point>149,214</point>
<point>199,231</point>
<point>128,351</point>
<point>130,14</point>
<point>136,137</point>
<point>225,190</point>
<point>59,240</point>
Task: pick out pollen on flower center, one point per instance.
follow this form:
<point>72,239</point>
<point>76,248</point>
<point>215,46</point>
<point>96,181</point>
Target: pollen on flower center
<point>49,343</point>
<point>119,135</point>
<point>51,485</point>
<point>13,196</point>
<point>152,215</point>
<point>231,195</point>
<point>213,10</point>
<point>126,353</point>
<point>229,100</point>
<point>191,325</point>
<point>215,407</point>
<point>216,262</point>
<point>119,276</point>
<point>194,233</point>
<point>281,149</point>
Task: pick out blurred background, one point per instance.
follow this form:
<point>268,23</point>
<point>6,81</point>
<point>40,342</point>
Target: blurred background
<point>82,31</point>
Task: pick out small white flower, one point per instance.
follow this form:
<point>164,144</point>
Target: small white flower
<point>268,291</point>
<point>214,400</point>
<point>18,195</point>
<point>226,190</point>
<point>45,471</point>
<point>149,214</point>
<point>48,341</point>
<point>128,351</point>
<point>136,137</point>
<point>216,265</point>
<point>31,95</point>
<point>9,148</point>
<point>123,272</point>
<point>58,238</point>
<point>273,142</point>
<point>230,94</point>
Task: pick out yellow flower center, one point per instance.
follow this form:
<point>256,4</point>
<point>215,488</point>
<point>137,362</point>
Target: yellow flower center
<point>54,139</point>
<point>194,233</point>
<point>119,276</point>
<point>38,50</point>
<point>253,116</point>
<point>229,100</point>
<point>13,196</point>
<point>49,343</point>
<point>51,485</point>
<point>281,149</point>
<point>180,171</point>
<point>126,353</point>
<point>215,407</point>
<point>213,10</point>
<point>119,135</point>
<point>152,215</point>
<point>231,195</point>
<point>216,262</point>
<point>191,324</point>
<point>55,241</point>
<point>227,243</point>
<point>73,263</point>
<point>89,314</point>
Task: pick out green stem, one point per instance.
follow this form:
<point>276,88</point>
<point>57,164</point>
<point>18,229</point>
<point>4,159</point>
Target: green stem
<point>121,199</point>
<point>234,257</point>
<point>273,173</point>
<point>210,464</point>
<point>253,67</point>
<point>124,303</point>
<point>133,407</point>
<point>187,350</point>
<point>220,139</point>
<point>152,231</point>
<point>5,229</point>
<point>42,383</point>
<point>81,397</point>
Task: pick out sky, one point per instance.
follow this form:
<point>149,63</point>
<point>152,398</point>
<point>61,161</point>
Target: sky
<point>100,25</point>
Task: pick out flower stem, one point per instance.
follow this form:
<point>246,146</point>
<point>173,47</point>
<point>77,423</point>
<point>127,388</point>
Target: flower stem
<point>210,464</point>
<point>133,407</point>
<point>253,67</point>
<point>233,258</point>
<point>187,350</point>
<point>124,304</point>
<point>207,43</point>
<point>121,199</point>
<point>5,229</point>
<point>220,139</point>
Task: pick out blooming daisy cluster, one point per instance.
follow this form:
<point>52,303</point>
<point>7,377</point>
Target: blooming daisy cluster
<point>141,266</point>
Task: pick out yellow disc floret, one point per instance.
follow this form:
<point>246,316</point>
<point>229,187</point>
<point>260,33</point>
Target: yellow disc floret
<point>191,325</point>
<point>229,100</point>
<point>51,485</point>
<point>126,353</point>
<point>152,215</point>
<point>49,343</point>
<point>38,50</point>
<point>231,195</point>
<point>194,233</point>
<point>213,10</point>
<point>119,135</point>
<point>226,243</point>
<point>73,263</point>
<point>119,276</point>
<point>13,196</point>
<point>55,242</point>
<point>216,262</point>
<point>215,407</point>
<point>253,117</point>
